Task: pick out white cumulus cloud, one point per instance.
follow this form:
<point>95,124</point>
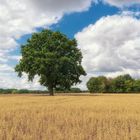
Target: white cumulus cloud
<point>111,46</point>
<point>122,3</point>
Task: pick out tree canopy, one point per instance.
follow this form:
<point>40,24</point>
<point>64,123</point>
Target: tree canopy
<point>97,84</point>
<point>54,58</point>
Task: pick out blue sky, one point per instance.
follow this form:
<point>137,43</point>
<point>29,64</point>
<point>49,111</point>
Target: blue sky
<point>107,32</point>
<point>72,23</point>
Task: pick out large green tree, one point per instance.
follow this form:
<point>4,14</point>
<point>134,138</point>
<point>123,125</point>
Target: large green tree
<point>54,58</point>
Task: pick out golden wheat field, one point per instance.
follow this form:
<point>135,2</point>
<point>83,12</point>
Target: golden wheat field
<point>38,117</point>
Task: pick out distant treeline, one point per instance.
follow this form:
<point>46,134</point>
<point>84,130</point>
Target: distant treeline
<point>121,84</point>
<point>20,91</point>
<point>101,84</point>
<point>26,91</point>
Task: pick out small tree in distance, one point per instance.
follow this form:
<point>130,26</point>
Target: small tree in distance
<point>97,84</point>
<point>54,58</point>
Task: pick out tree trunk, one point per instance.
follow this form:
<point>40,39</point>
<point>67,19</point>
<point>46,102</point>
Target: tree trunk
<point>51,91</point>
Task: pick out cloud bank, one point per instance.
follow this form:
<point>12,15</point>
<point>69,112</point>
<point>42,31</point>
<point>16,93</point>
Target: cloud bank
<point>122,3</point>
<point>111,46</point>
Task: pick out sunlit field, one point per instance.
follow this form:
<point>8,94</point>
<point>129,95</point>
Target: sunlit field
<point>98,117</point>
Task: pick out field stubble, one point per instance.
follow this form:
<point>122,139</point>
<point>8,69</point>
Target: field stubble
<point>102,117</point>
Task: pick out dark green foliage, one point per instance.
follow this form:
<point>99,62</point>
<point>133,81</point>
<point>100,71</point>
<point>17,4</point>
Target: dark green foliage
<point>72,90</point>
<point>54,58</point>
<point>136,86</point>
<point>26,91</point>
<point>21,91</point>
<point>75,90</point>
<point>121,84</point>
<point>97,84</point>
<point>6,91</point>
